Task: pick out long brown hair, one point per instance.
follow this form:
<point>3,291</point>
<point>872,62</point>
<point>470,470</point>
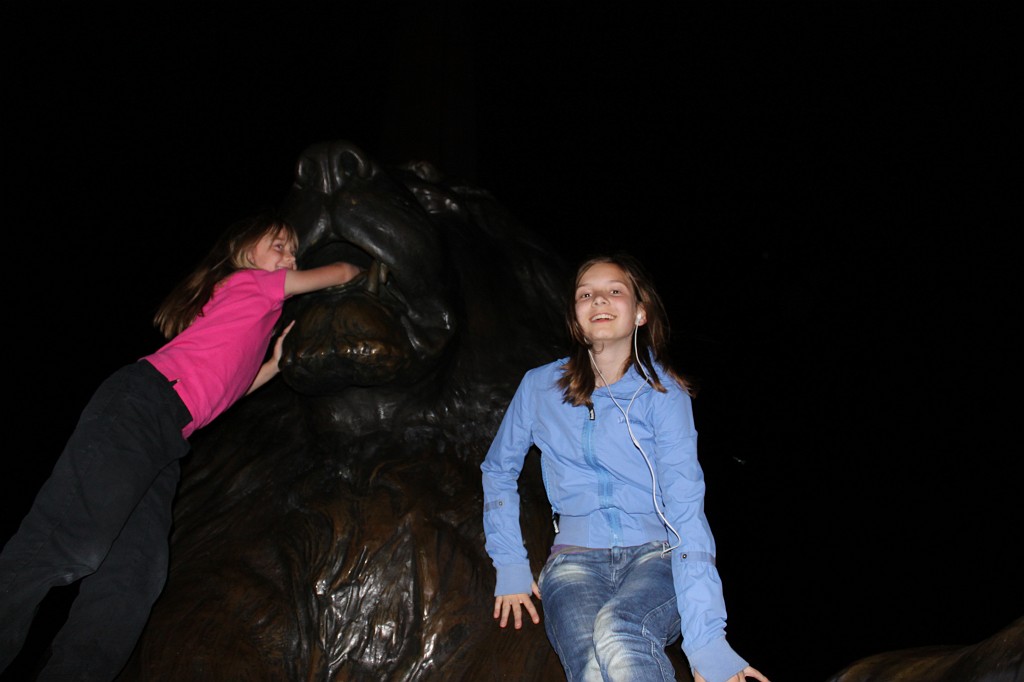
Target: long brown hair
<point>231,252</point>
<point>577,381</point>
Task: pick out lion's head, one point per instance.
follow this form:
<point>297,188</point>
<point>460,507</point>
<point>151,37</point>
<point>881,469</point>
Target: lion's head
<point>456,298</point>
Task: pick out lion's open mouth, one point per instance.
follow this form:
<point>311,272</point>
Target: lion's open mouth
<point>375,272</point>
<point>333,251</point>
<point>351,334</point>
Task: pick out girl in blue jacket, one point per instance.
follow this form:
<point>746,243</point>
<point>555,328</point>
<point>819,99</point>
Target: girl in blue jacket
<point>633,560</point>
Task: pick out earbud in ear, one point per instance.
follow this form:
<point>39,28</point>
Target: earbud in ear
<point>639,318</point>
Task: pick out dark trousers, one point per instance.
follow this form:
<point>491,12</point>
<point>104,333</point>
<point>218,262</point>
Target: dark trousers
<point>103,516</point>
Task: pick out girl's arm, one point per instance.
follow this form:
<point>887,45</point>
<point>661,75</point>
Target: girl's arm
<point>270,368</point>
<point>697,583</point>
<point>304,281</point>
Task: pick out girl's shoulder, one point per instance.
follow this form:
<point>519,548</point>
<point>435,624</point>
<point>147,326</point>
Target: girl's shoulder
<point>674,397</point>
<point>543,377</point>
<point>269,282</point>
<point>547,370</point>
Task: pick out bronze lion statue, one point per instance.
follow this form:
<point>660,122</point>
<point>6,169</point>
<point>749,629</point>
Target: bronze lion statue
<point>329,526</point>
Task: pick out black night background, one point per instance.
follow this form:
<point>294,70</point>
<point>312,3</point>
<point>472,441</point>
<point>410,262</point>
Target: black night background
<point>826,193</point>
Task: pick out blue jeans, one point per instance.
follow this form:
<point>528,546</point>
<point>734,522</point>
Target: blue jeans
<point>103,516</point>
<point>610,613</point>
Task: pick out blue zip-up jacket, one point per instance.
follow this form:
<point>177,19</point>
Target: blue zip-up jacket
<point>601,487</point>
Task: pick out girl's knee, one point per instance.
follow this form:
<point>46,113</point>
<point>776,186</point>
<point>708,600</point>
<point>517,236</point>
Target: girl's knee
<point>625,638</point>
<point>628,651</point>
<point>615,630</point>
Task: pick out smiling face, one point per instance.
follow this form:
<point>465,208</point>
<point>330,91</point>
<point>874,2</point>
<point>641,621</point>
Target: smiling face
<point>606,306</point>
<point>274,252</point>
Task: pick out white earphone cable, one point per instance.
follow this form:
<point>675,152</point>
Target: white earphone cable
<point>636,441</point>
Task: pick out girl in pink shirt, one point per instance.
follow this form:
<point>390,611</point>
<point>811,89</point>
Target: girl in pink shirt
<point>104,514</point>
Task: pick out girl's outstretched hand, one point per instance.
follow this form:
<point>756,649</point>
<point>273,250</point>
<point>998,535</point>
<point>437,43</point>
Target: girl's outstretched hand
<point>746,673</point>
<point>516,603</point>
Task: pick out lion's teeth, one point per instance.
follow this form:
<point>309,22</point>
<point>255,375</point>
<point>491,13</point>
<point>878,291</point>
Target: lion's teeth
<point>375,276</point>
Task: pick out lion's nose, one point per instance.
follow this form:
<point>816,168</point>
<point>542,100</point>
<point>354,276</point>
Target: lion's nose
<point>375,276</point>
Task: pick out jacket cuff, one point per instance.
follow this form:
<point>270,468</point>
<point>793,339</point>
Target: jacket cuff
<point>716,661</point>
<point>513,579</point>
